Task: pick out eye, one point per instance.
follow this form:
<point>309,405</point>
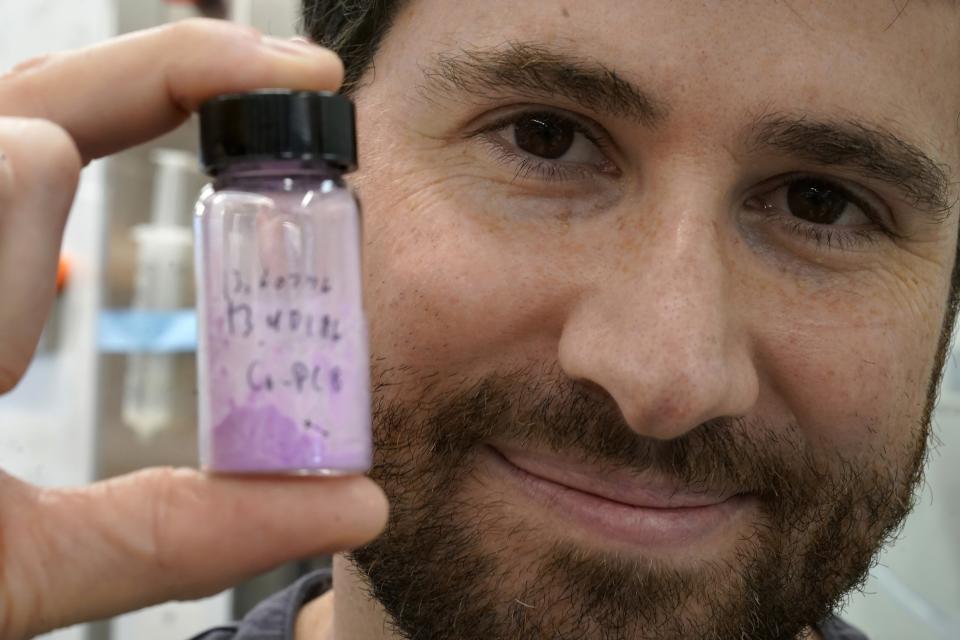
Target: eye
<point>829,213</point>
<point>548,145</point>
<point>551,137</point>
<point>817,201</point>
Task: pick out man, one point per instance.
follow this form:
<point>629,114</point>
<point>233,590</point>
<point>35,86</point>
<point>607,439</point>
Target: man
<point>659,297</point>
<point>659,291</point>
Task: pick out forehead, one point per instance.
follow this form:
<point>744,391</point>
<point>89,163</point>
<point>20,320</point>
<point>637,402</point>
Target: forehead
<point>713,62</point>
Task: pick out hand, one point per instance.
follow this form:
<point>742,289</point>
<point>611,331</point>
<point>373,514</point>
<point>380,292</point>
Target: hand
<point>68,555</point>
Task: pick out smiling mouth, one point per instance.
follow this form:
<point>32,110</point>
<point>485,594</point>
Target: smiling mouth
<point>615,506</point>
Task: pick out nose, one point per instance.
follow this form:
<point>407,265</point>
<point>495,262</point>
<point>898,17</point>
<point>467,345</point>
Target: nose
<point>661,331</point>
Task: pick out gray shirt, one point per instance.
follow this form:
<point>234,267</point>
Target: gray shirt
<point>275,617</point>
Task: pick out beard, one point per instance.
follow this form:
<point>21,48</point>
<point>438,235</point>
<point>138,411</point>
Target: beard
<point>453,563</point>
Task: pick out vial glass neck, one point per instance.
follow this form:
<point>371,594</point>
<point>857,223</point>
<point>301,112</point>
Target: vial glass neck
<point>271,172</point>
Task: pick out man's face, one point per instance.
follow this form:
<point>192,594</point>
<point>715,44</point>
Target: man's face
<point>657,291</point>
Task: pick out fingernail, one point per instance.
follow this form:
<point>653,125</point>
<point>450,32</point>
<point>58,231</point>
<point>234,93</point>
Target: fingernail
<point>291,47</point>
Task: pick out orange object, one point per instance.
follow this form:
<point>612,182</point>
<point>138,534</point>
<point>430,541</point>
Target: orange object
<point>63,273</point>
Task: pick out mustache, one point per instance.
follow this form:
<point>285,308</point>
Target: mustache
<point>822,516</point>
<point>735,455</point>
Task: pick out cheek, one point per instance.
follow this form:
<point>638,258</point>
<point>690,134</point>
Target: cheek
<point>451,288</point>
<point>854,369</point>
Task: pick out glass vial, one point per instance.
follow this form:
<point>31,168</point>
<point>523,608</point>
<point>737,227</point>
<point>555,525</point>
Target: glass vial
<point>282,355</point>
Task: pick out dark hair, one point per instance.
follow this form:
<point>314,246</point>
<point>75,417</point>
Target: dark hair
<point>353,29</point>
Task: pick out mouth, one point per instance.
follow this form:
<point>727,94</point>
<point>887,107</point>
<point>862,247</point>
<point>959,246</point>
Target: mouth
<point>614,506</point>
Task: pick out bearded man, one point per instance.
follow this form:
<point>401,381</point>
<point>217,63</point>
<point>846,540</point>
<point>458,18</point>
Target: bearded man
<point>659,295</point>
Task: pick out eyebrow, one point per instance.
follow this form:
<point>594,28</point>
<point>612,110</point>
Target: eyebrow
<point>870,151</point>
<point>535,71</point>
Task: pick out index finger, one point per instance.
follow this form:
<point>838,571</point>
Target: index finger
<point>136,87</point>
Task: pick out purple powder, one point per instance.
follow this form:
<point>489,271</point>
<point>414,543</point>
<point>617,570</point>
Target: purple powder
<point>264,440</point>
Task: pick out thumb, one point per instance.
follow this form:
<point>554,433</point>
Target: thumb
<point>162,534</point>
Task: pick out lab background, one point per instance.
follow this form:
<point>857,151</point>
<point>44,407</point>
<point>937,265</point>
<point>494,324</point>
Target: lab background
<point>113,385</point>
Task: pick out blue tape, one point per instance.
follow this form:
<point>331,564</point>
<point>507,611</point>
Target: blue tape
<point>126,330</point>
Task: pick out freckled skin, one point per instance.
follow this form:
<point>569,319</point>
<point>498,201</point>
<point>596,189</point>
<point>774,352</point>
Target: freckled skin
<point>670,244</point>
<point>656,287</point>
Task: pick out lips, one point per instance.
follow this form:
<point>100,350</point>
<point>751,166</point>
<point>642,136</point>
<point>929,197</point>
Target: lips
<point>617,486</point>
<point>617,505</point>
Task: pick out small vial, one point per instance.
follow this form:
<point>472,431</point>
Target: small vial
<point>282,356</point>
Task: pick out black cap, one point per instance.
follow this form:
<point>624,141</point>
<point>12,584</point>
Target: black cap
<point>277,124</point>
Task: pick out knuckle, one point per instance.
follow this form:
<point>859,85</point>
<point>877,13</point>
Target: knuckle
<point>55,147</point>
<point>161,490</point>
<point>39,149</point>
<point>173,493</point>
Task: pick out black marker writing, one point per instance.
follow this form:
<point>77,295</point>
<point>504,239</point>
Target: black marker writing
<point>299,376</point>
<point>242,313</point>
<point>242,322</point>
<point>267,281</point>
